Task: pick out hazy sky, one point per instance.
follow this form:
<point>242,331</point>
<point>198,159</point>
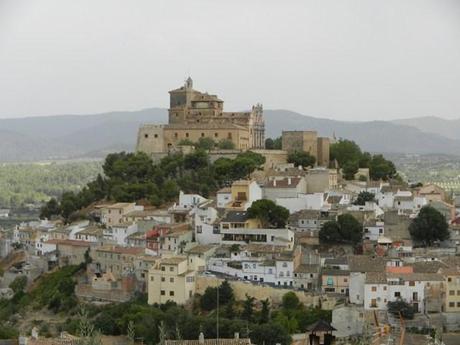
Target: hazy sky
<point>342,59</point>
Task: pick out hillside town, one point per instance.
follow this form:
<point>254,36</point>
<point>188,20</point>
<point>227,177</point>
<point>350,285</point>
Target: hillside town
<point>338,239</point>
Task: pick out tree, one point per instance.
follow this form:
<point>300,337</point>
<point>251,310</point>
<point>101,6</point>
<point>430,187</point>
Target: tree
<point>226,144</point>
<point>209,299</point>
<point>248,308</point>
<point>350,229</point>
<point>301,158</point>
<point>86,331</point>
<point>345,230</point>
<point>186,142</point>
<point>363,197</point>
<point>381,168</point>
<point>345,151</point>
<point>287,321</point>
<point>225,293</point>
<point>162,333</point>
<point>429,226</point>
<point>205,144</point>
<point>229,311</point>
<point>269,144</point>
<point>400,306</point>
<point>290,301</point>
<point>196,160</point>
<point>51,208</point>
<point>349,169</point>
<point>330,232</point>
<point>273,144</point>
<point>270,334</point>
<point>18,284</point>
<point>131,332</point>
<point>265,311</point>
<point>269,213</point>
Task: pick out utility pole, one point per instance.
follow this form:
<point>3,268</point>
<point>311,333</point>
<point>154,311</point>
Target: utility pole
<point>217,320</point>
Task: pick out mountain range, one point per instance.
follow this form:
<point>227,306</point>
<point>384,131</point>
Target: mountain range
<point>89,136</point>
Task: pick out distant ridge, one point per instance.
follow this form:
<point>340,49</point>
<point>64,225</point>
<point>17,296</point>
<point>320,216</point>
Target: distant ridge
<point>447,128</point>
<point>88,136</point>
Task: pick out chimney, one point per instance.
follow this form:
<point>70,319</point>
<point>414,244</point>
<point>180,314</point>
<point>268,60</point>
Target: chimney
<point>289,181</point>
<point>201,338</point>
<point>237,335</point>
<point>274,182</point>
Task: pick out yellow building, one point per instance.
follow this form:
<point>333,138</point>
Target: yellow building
<point>173,279</point>
<point>194,115</point>
<point>243,194</point>
<point>335,281</point>
<point>452,300</point>
<point>113,214</point>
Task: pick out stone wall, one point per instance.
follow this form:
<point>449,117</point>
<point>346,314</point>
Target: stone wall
<point>307,141</point>
<point>273,157</point>
<point>150,139</point>
<point>261,292</point>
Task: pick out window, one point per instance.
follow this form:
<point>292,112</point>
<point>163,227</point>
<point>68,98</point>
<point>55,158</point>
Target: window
<point>190,279</point>
<point>146,136</point>
<point>176,135</point>
<point>186,135</point>
<point>163,279</point>
<point>458,304</point>
<point>397,294</point>
<point>202,135</point>
<point>155,136</point>
<point>171,280</point>
<point>199,229</point>
<point>374,289</point>
<point>411,283</point>
<point>458,292</point>
<point>451,292</point>
<point>284,264</point>
<point>151,279</point>
<point>345,280</point>
<point>216,135</point>
<point>384,288</point>
<point>171,269</point>
<point>452,304</point>
<point>163,268</point>
<point>163,292</point>
<point>171,293</point>
<point>449,279</point>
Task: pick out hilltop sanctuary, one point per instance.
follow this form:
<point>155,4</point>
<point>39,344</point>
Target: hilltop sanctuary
<point>194,115</point>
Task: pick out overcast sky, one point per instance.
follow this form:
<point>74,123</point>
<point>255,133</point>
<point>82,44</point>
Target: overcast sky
<point>342,59</point>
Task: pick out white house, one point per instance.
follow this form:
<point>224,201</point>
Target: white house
<point>119,233</point>
<point>381,288</point>
<point>360,266</point>
<point>189,201</point>
<point>368,206</point>
<point>303,202</point>
<point>74,228</point>
<point>278,271</point>
<point>373,230</point>
<point>207,231</point>
<point>284,187</point>
<point>276,237</point>
<point>224,196</point>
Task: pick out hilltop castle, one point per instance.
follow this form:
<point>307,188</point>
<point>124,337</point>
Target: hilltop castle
<point>194,115</point>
